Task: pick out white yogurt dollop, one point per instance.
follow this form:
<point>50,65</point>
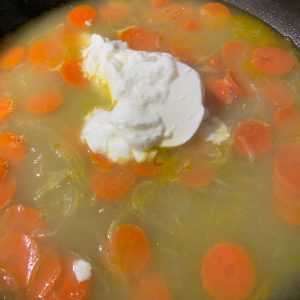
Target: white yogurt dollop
<point>158,101</point>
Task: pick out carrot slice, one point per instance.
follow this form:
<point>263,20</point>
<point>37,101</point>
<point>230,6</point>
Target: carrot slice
<point>12,147</point>
<point>113,184</point>
<point>47,53</point>
<point>72,74</point>
<point>218,91</point>
<point>47,275</point>
<point>23,219</point>
<point>159,3</point>
<point>235,53</point>
<point>6,108</point>
<point>252,138</point>
<point>100,160</point>
<point>19,256</point>
<point>129,249</point>
<point>287,166</point>
<point>12,57</point>
<point>115,12</point>
<point>192,25</point>
<point>69,287</point>
<point>236,86</point>
<point>45,101</point>
<point>146,169</point>
<point>82,15</point>
<point>273,61</point>
<point>278,93</point>
<point>197,176</point>
<point>286,118</point>
<point>139,38</point>
<point>227,272</point>
<point>7,191</point>
<point>216,12</point>
<point>3,168</point>
<point>152,287</point>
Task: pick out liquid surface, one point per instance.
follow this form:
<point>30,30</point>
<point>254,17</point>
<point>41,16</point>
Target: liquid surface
<point>160,227</point>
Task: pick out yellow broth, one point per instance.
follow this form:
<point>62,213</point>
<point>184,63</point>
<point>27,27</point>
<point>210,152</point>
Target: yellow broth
<point>181,223</point>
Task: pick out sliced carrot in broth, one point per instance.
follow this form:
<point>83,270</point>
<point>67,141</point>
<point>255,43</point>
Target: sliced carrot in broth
<point>235,53</point>
<point>252,138</point>
<point>151,287</point>
<point>218,91</point>
<point>197,175</point>
<point>82,15</point>
<point>216,12</point>
<point>3,168</point>
<point>286,119</point>
<point>68,286</point>
<point>129,249</point>
<point>278,93</point>
<point>7,191</point>
<point>287,165</point>
<point>113,184</point>
<point>159,3</point>
<point>45,101</point>
<point>7,106</point>
<point>139,38</point>
<point>227,272</point>
<point>12,147</point>
<point>237,88</point>
<point>12,57</point>
<point>72,74</point>
<point>146,169</point>
<point>100,160</point>
<point>23,219</point>
<point>19,256</point>
<point>115,12</point>
<point>47,275</point>
<point>273,61</point>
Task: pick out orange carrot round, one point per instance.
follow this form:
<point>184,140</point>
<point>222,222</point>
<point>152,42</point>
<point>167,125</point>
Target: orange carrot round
<point>218,90</point>
<point>47,53</point>
<point>12,57</point>
<point>82,15</point>
<point>68,286</point>
<point>217,12</point>
<point>129,249</point>
<point>113,184</point>
<point>45,101</point>
<point>252,138</point>
<point>278,93</point>
<point>286,118</point>
<point>159,3</point>
<point>114,12</point>
<point>100,160</point>
<point>7,191</point>
<point>19,256</point>
<point>23,219</point>
<point>6,108</point>
<point>72,74</point>
<point>3,168</point>
<point>235,53</point>
<point>227,272</point>
<point>146,169</point>
<point>47,275</point>
<point>12,147</point>
<point>197,176</point>
<point>151,287</point>
<point>139,38</point>
<point>273,61</point>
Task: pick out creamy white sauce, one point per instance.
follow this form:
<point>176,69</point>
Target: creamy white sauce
<point>82,270</point>
<point>158,101</point>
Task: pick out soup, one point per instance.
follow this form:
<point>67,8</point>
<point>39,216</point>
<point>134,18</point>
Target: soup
<point>215,218</point>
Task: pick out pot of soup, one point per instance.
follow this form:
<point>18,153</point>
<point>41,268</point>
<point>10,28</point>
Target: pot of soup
<point>149,150</point>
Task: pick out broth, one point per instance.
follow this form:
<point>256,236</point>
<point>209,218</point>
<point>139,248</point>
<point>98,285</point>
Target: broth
<point>231,203</point>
